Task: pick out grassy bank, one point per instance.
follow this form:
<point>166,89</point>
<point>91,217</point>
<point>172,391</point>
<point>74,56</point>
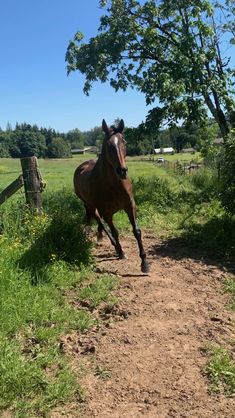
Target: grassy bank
<point>42,260</point>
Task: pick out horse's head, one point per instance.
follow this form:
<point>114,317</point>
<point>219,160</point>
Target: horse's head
<point>114,148</point>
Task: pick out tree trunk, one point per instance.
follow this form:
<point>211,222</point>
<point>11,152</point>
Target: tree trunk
<point>219,116</point>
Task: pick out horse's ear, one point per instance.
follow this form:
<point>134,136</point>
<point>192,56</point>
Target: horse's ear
<point>121,126</point>
<point>105,127</point>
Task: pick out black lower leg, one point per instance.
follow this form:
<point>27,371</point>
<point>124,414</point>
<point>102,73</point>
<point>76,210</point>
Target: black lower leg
<point>88,217</point>
<point>101,227</point>
<point>118,247</point>
<point>142,254</point>
<point>99,232</point>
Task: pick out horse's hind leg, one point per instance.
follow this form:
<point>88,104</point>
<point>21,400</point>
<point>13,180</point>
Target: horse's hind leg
<point>114,232</point>
<point>102,227</point>
<point>88,216</point>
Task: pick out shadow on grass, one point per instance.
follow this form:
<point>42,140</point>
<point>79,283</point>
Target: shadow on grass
<point>212,242</point>
<point>64,239</point>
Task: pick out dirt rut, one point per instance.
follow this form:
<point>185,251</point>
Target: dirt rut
<point>147,359</point>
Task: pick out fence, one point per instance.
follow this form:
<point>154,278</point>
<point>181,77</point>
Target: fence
<point>184,166</point>
<point>32,181</point>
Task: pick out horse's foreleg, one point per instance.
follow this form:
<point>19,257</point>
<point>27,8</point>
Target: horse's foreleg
<point>137,233</point>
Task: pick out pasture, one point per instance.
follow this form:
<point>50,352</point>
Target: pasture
<point>51,287</point>
<point>59,173</point>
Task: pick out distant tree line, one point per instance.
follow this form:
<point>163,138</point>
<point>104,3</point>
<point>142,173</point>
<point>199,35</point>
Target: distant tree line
<point>26,140</point>
<point>143,139</point>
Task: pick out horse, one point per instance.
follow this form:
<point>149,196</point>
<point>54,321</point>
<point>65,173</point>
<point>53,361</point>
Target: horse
<point>105,188</point>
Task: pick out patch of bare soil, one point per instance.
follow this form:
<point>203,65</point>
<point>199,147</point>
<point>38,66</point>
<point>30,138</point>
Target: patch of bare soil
<point>146,360</point>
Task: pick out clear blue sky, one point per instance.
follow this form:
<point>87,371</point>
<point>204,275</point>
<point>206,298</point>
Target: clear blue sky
<point>34,87</point>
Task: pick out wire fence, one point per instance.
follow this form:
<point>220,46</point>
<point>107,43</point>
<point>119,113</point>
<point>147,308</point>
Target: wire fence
<point>9,172</point>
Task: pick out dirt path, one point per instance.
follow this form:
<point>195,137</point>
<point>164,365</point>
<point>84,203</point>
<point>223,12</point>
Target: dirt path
<point>148,362</point>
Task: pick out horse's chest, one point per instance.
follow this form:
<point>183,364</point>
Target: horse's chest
<point>112,200</point>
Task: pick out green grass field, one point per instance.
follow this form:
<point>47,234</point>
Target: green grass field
<point>59,173</point>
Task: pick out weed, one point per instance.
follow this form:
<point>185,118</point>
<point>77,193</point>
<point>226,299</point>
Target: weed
<point>220,370</point>
<point>102,373</point>
<point>229,287</point>
<point>99,291</point>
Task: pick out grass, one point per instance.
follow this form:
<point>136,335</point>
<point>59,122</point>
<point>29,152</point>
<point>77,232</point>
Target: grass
<point>43,259</point>
<point>59,173</point>
<point>220,371</point>
<point>229,287</point>
<point>34,375</point>
<point>169,157</point>
<point>99,291</point>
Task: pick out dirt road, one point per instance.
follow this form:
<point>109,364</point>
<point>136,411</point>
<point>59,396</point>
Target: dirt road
<point>147,360</point>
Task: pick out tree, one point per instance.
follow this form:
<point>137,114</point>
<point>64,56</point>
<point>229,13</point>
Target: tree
<point>58,148</point>
<point>29,143</point>
<point>169,50</point>
<point>4,151</point>
<point>139,142</point>
<point>75,138</point>
<point>94,136</point>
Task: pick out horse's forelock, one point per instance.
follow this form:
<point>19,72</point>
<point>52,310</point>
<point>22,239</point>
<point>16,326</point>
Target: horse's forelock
<point>114,129</point>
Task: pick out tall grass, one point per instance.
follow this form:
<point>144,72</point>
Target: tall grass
<point>187,206</point>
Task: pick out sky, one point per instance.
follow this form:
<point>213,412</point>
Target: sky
<point>34,86</point>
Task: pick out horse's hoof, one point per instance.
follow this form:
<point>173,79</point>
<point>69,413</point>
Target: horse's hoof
<point>99,237</point>
<point>122,256</point>
<point>145,267</point>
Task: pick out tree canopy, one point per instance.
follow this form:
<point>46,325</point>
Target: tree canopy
<point>170,50</point>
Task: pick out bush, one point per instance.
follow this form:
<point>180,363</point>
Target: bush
<point>228,175</point>
<point>155,190</point>
<point>205,182</point>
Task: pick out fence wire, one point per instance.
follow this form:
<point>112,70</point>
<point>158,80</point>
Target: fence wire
<point>9,172</point>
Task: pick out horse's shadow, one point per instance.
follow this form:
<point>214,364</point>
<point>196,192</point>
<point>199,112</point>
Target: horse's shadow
<point>179,249</point>
<point>107,257</point>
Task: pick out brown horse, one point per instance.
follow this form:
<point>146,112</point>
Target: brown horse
<point>104,188</point>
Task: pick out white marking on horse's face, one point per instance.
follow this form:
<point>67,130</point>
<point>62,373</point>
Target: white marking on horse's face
<point>115,140</point>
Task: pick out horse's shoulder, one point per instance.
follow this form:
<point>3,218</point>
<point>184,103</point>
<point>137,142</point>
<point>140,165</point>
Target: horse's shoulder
<point>86,166</point>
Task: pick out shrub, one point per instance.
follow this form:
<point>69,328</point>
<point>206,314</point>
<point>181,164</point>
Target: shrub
<point>155,190</point>
<point>228,175</point>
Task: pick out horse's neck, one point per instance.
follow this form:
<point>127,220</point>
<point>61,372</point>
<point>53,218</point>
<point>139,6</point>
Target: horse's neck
<point>106,170</point>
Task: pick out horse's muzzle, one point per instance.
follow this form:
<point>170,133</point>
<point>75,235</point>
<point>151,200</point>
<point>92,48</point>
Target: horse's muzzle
<point>122,172</point>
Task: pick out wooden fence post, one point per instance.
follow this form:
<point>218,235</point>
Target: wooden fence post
<point>32,183</point>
